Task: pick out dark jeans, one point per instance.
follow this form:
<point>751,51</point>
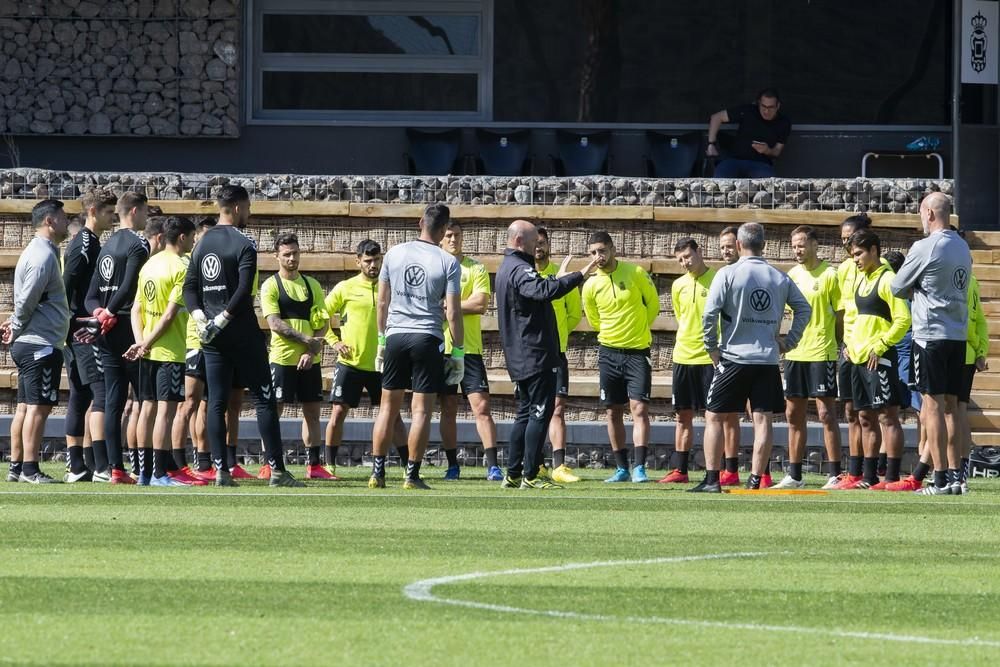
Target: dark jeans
<point>733,168</point>
<point>536,401</point>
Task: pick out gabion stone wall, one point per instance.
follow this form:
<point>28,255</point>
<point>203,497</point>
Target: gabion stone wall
<point>120,67</point>
<point>828,194</point>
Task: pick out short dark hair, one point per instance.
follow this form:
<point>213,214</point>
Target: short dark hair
<point>808,230</point>
<point>175,226</point>
<point>98,197</point>
<point>436,217</point>
<point>207,222</point>
<point>130,200</point>
<point>369,247</point>
<point>154,227</point>
<point>285,238</point>
<point>769,92</point>
<point>45,209</point>
<point>230,196</point>
<point>865,238</point>
<point>542,231</point>
<point>684,244</point>
<point>731,229</point>
<point>454,223</point>
<point>600,237</point>
<point>857,222</point>
<point>895,259</point>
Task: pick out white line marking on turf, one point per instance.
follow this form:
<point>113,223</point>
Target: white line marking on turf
<point>422,591</point>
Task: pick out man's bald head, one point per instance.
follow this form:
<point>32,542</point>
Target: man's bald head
<point>522,235</point>
<point>935,209</point>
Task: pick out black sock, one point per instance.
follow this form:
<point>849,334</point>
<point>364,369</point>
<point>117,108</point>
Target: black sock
<point>412,469</point>
<point>331,455</point>
<point>378,466</point>
<point>133,461</point>
<point>148,451</point>
<point>712,476</point>
<point>204,461</point>
<point>964,470</point>
<point>954,476</point>
<point>940,478</point>
<point>883,464</point>
<point>16,467</point>
<point>833,468</point>
<point>29,468</point>
<point>892,469</point>
<point>76,464</point>
<point>870,468</point>
<point>795,471</point>
<point>160,458</point>
<point>99,450</point>
<point>621,458</point>
<point>920,472</point>
<point>683,461</point>
<point>231,457</point>
<point>403,452</point>
<point>491,457</point>
<point>732,464</point>
<point>314,456</point>
<point>180,457</point>
<point>88,458</point>
<point>753,482</point>
<point>558,457</point>
<point>142,464</point>
<point>639,455</point>
<point>854,466</point>
<point>452,456</point>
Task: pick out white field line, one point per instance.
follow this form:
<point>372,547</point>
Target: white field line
<point>422,591</point>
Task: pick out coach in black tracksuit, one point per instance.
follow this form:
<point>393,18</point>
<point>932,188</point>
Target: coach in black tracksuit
<point>530,342</point>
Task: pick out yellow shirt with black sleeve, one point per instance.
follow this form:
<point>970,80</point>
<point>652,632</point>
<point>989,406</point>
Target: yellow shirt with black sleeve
<point>354,302</point>
<point>621,305</point>
<point>161,282</point>
<point>977,343</point>
<point>688,294</point>
<point>475,280</point>
<point>307,294</point>
<point>567,309</point>
<point>821,288</point>
<point>882,319</point>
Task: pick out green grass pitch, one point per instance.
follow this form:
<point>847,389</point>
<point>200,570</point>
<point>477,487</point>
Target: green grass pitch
<point>336,574</point>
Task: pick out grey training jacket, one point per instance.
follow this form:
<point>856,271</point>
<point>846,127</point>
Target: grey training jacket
<point>935,276</point>
<point>41,313</point>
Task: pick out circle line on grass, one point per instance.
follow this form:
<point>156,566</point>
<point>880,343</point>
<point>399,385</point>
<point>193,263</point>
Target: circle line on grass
<point>423,591</point>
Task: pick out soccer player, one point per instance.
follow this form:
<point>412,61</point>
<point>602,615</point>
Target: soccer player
<point>847,278</point>
<point>730,476</point>
<point>936,273</point>
<point>159,322</point>
<point>293,306</point>
<point>353,302</point>
<point>419,285</point>
<point>475,384</point>
<point>83,368</point>
<point>811,368</point>
<point>529,337</point>
<point>621,302</point>
<point>109,299</point>
<point>568,312</point>
<point>36,333</point>
<point>692,367</point>
<point>880,322</point>
<point>218,292</point>
<point>749,298</point>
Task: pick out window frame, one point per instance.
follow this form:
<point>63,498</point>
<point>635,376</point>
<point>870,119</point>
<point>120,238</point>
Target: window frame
<point>257,62</point>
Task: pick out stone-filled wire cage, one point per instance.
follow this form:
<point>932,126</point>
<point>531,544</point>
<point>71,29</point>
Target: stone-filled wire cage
<point>167,68</point>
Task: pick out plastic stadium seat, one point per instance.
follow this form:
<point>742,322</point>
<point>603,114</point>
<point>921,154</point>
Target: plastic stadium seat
<point>433,152</point>
<point>672,156</point>
<point>503,153</point>
<point>581,153</point>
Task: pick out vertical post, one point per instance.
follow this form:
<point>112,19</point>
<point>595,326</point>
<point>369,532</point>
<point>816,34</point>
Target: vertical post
<point>956,92</point>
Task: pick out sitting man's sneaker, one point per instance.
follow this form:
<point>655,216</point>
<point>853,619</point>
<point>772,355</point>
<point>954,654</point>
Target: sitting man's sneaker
<point>82,476</point>
<point>789,482</point>
<point>675,476</point>
<point>706,487</point>
<point>284,478</point>
<point>538,483</point>
<point>38,478</point>
<point>376,482</point>
<point>621,475</point>
<point>415,483</point>
<point>564,475</point>
<point>494,474</point>
<point>511,482</point>
<point>452,473</point>
<point>639,475</point>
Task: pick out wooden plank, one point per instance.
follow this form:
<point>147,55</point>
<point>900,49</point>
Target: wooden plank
<point>982,257</point>
<point>506,212</point>
<point>778,216</point>
<point>312,261</point>
<point>979,239</point>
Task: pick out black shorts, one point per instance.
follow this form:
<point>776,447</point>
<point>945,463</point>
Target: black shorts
<point>161,381</point>
<point>734,384</point>
<point>474,381</point>
<point>810,379</point>
<point>349,382</point>
<point>562,376</point>
<point>935,366</point>
<point>844,375</point>
<point>84,359</point>
<point>690,385</point>
<point>968,375</point>
<point>624,375</point>
<point>414,361</point>
<point>39,369</point>
<point>877,389</point>
<point>194,365</point>
<point>294,386</point>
